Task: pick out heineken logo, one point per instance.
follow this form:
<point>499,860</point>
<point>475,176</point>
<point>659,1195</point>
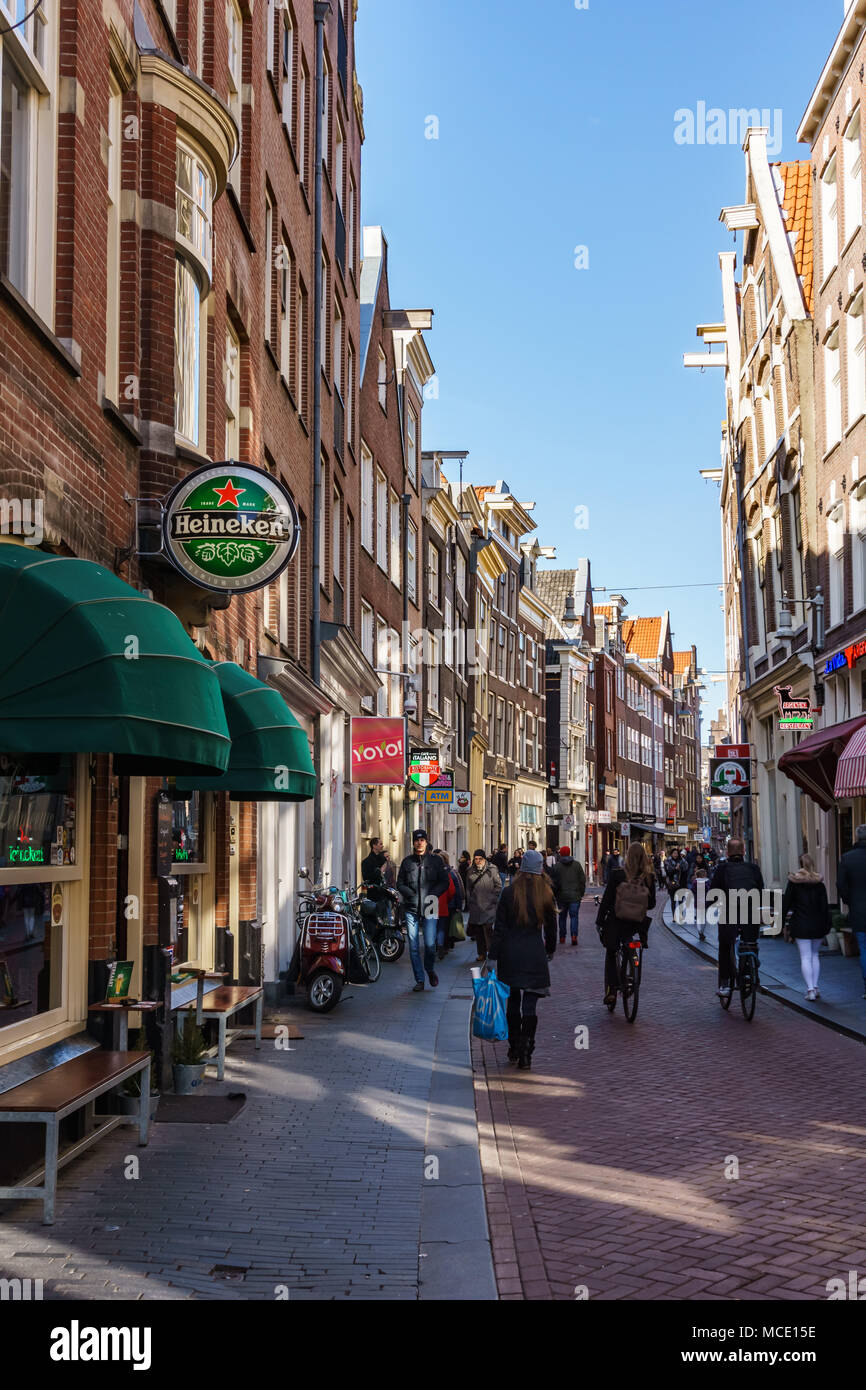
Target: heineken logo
<point>230,527</point>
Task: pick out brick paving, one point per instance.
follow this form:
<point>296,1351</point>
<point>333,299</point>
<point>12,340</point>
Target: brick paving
<point>604,1168</point>
<point>315,1186</point>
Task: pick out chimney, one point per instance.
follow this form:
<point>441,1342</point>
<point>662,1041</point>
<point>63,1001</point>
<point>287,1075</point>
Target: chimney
<point>617,604</point>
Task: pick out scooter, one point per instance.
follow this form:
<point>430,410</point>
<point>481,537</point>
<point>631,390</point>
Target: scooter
<point>386,935</point>
<point>333,949</point>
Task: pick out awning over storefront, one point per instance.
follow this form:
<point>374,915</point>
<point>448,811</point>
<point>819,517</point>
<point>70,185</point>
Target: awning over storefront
<point>270,755</point>
<point>90,665</point>
<point>851,768</point>
<point>813,764</point>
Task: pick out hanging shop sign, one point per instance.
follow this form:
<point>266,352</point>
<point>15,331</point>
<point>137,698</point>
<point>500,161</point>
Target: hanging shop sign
<point>720,804</point>
<point>442,790</point>
<point>734,750</point>
<point>849,657</point>
<point>230,527</point>
<point>461,805</point>
<point>423,766</point>
<point>730,776</point>
<point>162,839</point>
<point>604,817</point>
<point>378,751</point>
<point>794,713</point>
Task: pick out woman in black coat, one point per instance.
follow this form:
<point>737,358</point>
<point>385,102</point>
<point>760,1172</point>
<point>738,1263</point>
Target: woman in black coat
<point>612,929</point>
<point>524,939</point>
<point>806,914</point>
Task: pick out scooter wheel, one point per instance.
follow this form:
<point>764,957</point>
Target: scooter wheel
<point>391,946</point>
<point>323,992</point>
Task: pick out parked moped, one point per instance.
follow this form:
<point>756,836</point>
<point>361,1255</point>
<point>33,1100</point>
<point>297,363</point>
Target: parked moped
<point>386,932</point>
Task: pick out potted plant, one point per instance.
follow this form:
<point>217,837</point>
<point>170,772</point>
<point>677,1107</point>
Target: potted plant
<point>127,1098</point>
<point>187,1055</point>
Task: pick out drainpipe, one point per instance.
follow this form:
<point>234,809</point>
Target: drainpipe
<point>322,9</point>
<point>744,650</point>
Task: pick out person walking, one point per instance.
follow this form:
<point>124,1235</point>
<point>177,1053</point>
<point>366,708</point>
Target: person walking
<point>806,915</point>
<point>514,863</point>
<point>482,896</point>
<point>421,880</point>
<point>739,915</point>
<point>463,868</point>
<point>523,940</point>
<point>373,874</point>
<point>614,928</point>
<point>605,861</point>
<point>446,900</point>
<point>572,886</point>
<point>851,883</point>
<point>700,873</point>
<point>673,876</point>
<point>499,859</point>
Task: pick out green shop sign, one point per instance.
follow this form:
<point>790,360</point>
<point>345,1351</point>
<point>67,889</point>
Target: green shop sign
<point>230,527</point>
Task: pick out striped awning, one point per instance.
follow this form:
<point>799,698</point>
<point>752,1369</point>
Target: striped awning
<point>851,768</point>
<point>814,762</point>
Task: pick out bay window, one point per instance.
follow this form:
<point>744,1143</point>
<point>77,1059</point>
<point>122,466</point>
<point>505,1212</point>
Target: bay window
<point>235,25</point>
<point>193,268</point>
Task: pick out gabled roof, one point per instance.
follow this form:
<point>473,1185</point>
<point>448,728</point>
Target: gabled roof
<point>682,661</point>
<point>603,610</point>
<point>796,203</point>
<point>642,637</point>
<point>553,588</point>
<point>374,249</point>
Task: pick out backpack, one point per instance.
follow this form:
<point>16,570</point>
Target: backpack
<point>631,902</point>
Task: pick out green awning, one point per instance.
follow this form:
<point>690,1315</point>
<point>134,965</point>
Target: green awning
<point>270,758</point>
<point>90,665</point>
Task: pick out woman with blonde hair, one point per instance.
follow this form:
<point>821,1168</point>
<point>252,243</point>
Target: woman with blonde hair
<point>806,915</point>
<point>628,899</point>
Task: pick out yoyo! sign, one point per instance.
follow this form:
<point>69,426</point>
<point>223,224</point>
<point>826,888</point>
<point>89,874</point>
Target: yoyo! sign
<point>378,751</point>
<point>230,527</point>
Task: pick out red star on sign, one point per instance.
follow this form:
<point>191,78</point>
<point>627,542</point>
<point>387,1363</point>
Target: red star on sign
<point>229,494</point>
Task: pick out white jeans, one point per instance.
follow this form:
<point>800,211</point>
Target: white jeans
<point>810,961</point>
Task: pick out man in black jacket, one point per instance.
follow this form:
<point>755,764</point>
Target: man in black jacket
<point>422,877</point>
<point>851,883</point>
<point>371,873</point>
<point>740,913</point>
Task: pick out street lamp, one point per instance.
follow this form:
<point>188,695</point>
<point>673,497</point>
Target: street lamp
<point>783,632</point>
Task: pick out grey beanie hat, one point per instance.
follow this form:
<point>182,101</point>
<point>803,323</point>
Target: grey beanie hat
<point>531,862</point>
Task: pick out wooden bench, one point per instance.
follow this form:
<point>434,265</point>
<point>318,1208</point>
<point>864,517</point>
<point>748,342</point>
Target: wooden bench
<point>221,1004</point>
<point>50,1097</point>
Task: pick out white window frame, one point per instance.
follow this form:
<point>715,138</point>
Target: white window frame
<point>382,380</point>
<point>381,520</point>
<point>235,67</point>
<point>832,391</point>
<point>412,562</point>
<point>855,359</point>
<point>366,498</point>
<point>412,428</point>
<point>232,368</point>
<point>852,175</point>
<point>394,527</point>
<point>829,219</point>
<point>112,263</point>
<point>836,557</point>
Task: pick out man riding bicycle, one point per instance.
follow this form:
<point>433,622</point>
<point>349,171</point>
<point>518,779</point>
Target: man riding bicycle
<point>739,912</point>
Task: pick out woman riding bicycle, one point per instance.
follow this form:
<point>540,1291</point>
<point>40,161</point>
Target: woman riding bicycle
<point>635,880</point>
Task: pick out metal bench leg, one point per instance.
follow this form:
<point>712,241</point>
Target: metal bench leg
<point>221,1057</point>
<point>50,1181</point>
<point>259,1010</point>
<point>144,1106</point>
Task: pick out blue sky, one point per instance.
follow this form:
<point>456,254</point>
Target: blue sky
<point>556,130</point>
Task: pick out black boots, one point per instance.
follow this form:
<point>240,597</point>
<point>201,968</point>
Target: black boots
<point>526,1046</point>
<point>513,1017</point>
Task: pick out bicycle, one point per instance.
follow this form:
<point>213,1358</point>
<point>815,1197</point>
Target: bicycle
<point>629,959</point>
<point>743,974</point>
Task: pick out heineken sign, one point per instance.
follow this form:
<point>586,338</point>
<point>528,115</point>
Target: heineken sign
<point>230,527</point>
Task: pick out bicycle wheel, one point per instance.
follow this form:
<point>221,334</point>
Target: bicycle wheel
<point>370,958</point>
<point>748,986</point>
<point>630,984</point>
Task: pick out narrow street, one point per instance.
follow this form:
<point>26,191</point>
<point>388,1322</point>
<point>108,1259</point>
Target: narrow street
<point>604,1166</point>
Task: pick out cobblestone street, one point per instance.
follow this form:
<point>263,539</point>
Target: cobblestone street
<point>605,1167</point>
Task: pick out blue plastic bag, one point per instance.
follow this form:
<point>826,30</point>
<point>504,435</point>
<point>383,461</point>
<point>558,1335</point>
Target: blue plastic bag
<point>491,996</point>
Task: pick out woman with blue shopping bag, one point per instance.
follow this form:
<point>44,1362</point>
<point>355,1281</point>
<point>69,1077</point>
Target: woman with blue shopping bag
<point>524,939</point>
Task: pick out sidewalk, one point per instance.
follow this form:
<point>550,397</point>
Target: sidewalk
<point>323,1186</point>
<point>841,1004</point>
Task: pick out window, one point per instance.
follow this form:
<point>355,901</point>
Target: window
<point>383,381</point>
<point>233,394</point>
<point>303,120</point>
<point>28,191</point>
<point>412,446</point>
<point>300,354</point>
<point>461,579</point>
<point>858,547</point>
<point>855,365</point>
<point>235,24</point>
<point>287,71</point>
<point>381,520</point>
<point>187,353</point>
<point>761,303</point>
<point>412,563</point>
<point>339,165</point>
<point>768,416</point>
<point>366,498</point>
<point>350,566</point>
<point>367,638</point>
<point>829,219</point>
<point>269,268</point>
<point>351,199</point>
<point>395,538</point>
<point>326,113</point>
<point>285,275</point>
<point>433,675</point>
<point>836,552</point>
<point>433,574</point>
<point>112,264</point>
<point>338,349</point>
<point>350,397</point>
<point>832,390</point>
<point>383,664</point>
<point>323,361</point>
<point>337,533</point>
<point>853,194</point>
<point>194,204</point>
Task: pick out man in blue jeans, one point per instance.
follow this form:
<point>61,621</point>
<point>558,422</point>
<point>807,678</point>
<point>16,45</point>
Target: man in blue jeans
<point>851,883</point>
<point>570,890</point>
<point>421,879</point>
